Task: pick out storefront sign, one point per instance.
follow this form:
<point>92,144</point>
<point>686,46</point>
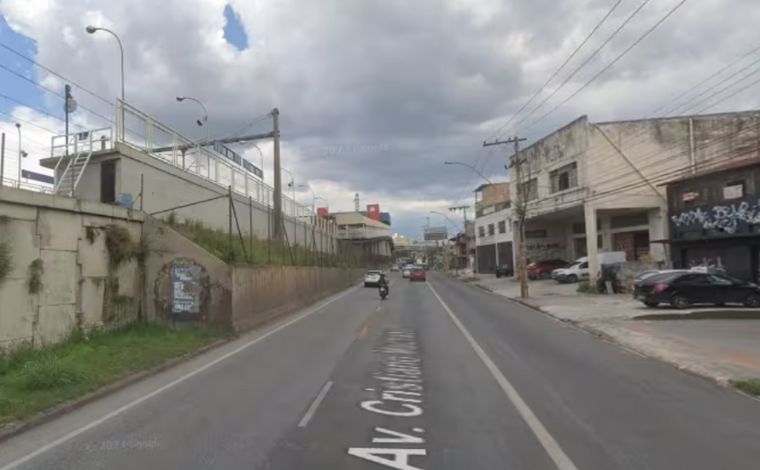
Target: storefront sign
<point>733,192</point>
<point>690,196</point>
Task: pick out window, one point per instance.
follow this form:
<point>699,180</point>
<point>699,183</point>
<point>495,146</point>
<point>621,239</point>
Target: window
<point>481,231</point>
<point>564,178</point>
<point>583,266</point>
<point>693,280</point>
<point>529,189</point>
<point>502,227</point>
<point>733,190</point>
<point>718,280</point>
<point>490,229</point>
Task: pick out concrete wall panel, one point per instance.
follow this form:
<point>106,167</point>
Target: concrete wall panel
<point>59,280</point>
<point>55,324</point>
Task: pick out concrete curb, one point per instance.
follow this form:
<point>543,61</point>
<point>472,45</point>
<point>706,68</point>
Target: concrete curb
<point>15,428</point>
<point>738,314</point>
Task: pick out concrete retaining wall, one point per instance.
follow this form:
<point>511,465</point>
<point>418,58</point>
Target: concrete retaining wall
<point>167,248</point>
<point>260,294</point>
<point>78,288</point>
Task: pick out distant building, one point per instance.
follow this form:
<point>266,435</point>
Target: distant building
<point>372,236</point>
<point>493,227</point>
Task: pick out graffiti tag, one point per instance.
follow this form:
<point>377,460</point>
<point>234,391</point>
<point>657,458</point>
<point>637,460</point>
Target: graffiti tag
<point>725,218</point>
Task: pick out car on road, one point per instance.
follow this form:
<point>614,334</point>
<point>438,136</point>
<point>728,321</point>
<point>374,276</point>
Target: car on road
<point>579,270</point>
<point>684,288</point>
<point>406,270</point>
<point>504,270</point>
<point>418,274</point>
<point>543,269</point>
<point>372,278</point>
<point>395,268</point>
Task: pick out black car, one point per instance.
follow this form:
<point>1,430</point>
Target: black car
<point>504,270</point>
<point>684,288</point>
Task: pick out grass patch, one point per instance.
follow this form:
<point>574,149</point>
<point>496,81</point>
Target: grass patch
<point>32,380</point>
<point>750,386</point>
<point>252,250</point>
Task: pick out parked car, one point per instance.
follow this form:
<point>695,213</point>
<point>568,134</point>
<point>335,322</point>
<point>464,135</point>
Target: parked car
<point>543,269</point>
<point>684,288</point>
<point>395,268</point>
<point>372,278</point>
<point>417,274</point>
<point>504,270</point>
<point>579,270</point>
<point>653,272</point>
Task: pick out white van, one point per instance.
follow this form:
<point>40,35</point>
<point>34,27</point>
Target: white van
<point>579,270</point>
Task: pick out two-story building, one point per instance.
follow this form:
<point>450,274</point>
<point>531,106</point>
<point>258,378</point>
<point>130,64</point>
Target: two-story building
<point>595,187</point>
<point>493,227</point>
<point>715,219</point>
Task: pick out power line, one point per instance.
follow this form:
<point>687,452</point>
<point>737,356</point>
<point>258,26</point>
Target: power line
<point>29,122</point>
<point>560,68</point>
<point>41,111</point>
<point>614,61</point>
<point>52,92</point>
<point>664,106</point>
<point>49,70</point>
<point>585,62</point>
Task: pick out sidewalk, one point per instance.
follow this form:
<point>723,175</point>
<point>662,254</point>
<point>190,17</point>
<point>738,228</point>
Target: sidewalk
<point>711,342</point>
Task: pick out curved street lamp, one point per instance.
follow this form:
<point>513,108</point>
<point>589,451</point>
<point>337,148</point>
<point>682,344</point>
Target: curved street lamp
<point>471,168</point>
<point>93,30</point>
<point>204,119</point>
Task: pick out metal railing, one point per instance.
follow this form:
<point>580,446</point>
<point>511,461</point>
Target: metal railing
<point>97,139</point>
<point>146,134</point>
<point>14,183</point>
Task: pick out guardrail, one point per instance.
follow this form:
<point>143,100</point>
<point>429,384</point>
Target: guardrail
<point>146,134</point>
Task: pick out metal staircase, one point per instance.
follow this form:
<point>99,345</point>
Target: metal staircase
<point>67,183</point>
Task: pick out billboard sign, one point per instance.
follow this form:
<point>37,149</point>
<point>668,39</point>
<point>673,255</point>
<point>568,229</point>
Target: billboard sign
<point>373,211</point>
<point>436,233</point>
<point>31,175</point>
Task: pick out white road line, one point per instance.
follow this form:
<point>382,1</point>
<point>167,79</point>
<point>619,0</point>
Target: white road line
<point>561,460</point>
<point>313,408</point>
<point>132,404</point>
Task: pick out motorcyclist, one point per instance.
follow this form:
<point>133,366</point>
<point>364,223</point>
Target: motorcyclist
<point>383,284</point>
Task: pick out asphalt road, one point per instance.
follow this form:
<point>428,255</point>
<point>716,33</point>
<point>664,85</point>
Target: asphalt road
<point>439,376</point>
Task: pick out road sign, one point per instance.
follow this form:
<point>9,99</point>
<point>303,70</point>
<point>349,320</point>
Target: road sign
<point>436,233</point>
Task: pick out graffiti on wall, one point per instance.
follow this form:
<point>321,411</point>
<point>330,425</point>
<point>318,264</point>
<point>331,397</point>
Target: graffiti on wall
<point>722,217</point>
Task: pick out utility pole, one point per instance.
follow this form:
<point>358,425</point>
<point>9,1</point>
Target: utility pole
<point>520,210</point>
<point>464,210</point>
<point>277,225</point>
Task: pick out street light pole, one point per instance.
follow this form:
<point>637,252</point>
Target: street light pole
<point>204,119</point>
<point>93,30</point>
<point>21,154</point>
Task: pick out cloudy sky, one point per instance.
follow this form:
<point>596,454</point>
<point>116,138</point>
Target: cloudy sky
<point>374,95</point>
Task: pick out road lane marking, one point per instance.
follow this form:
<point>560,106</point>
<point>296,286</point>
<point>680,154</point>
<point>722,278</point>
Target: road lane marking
<point>314,405</point>
<point>132,404</point>
<point>550,445</point>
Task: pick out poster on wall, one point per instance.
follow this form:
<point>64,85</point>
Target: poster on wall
<point>186,288</point>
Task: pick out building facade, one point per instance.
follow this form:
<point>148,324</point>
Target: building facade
<point>715,219</point>
<point>493,227</point>
<point>594,187</point>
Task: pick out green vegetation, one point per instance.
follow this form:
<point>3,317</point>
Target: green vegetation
<point>6,260</point>
<point>252,250</point>
<point>36,269</point>
<point>120,245</point>
<point>32,380</point>
<point>585,287</point>
<point>750,386</point>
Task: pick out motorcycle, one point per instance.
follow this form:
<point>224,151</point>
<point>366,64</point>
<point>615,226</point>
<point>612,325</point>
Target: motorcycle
<point>383,292</point>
